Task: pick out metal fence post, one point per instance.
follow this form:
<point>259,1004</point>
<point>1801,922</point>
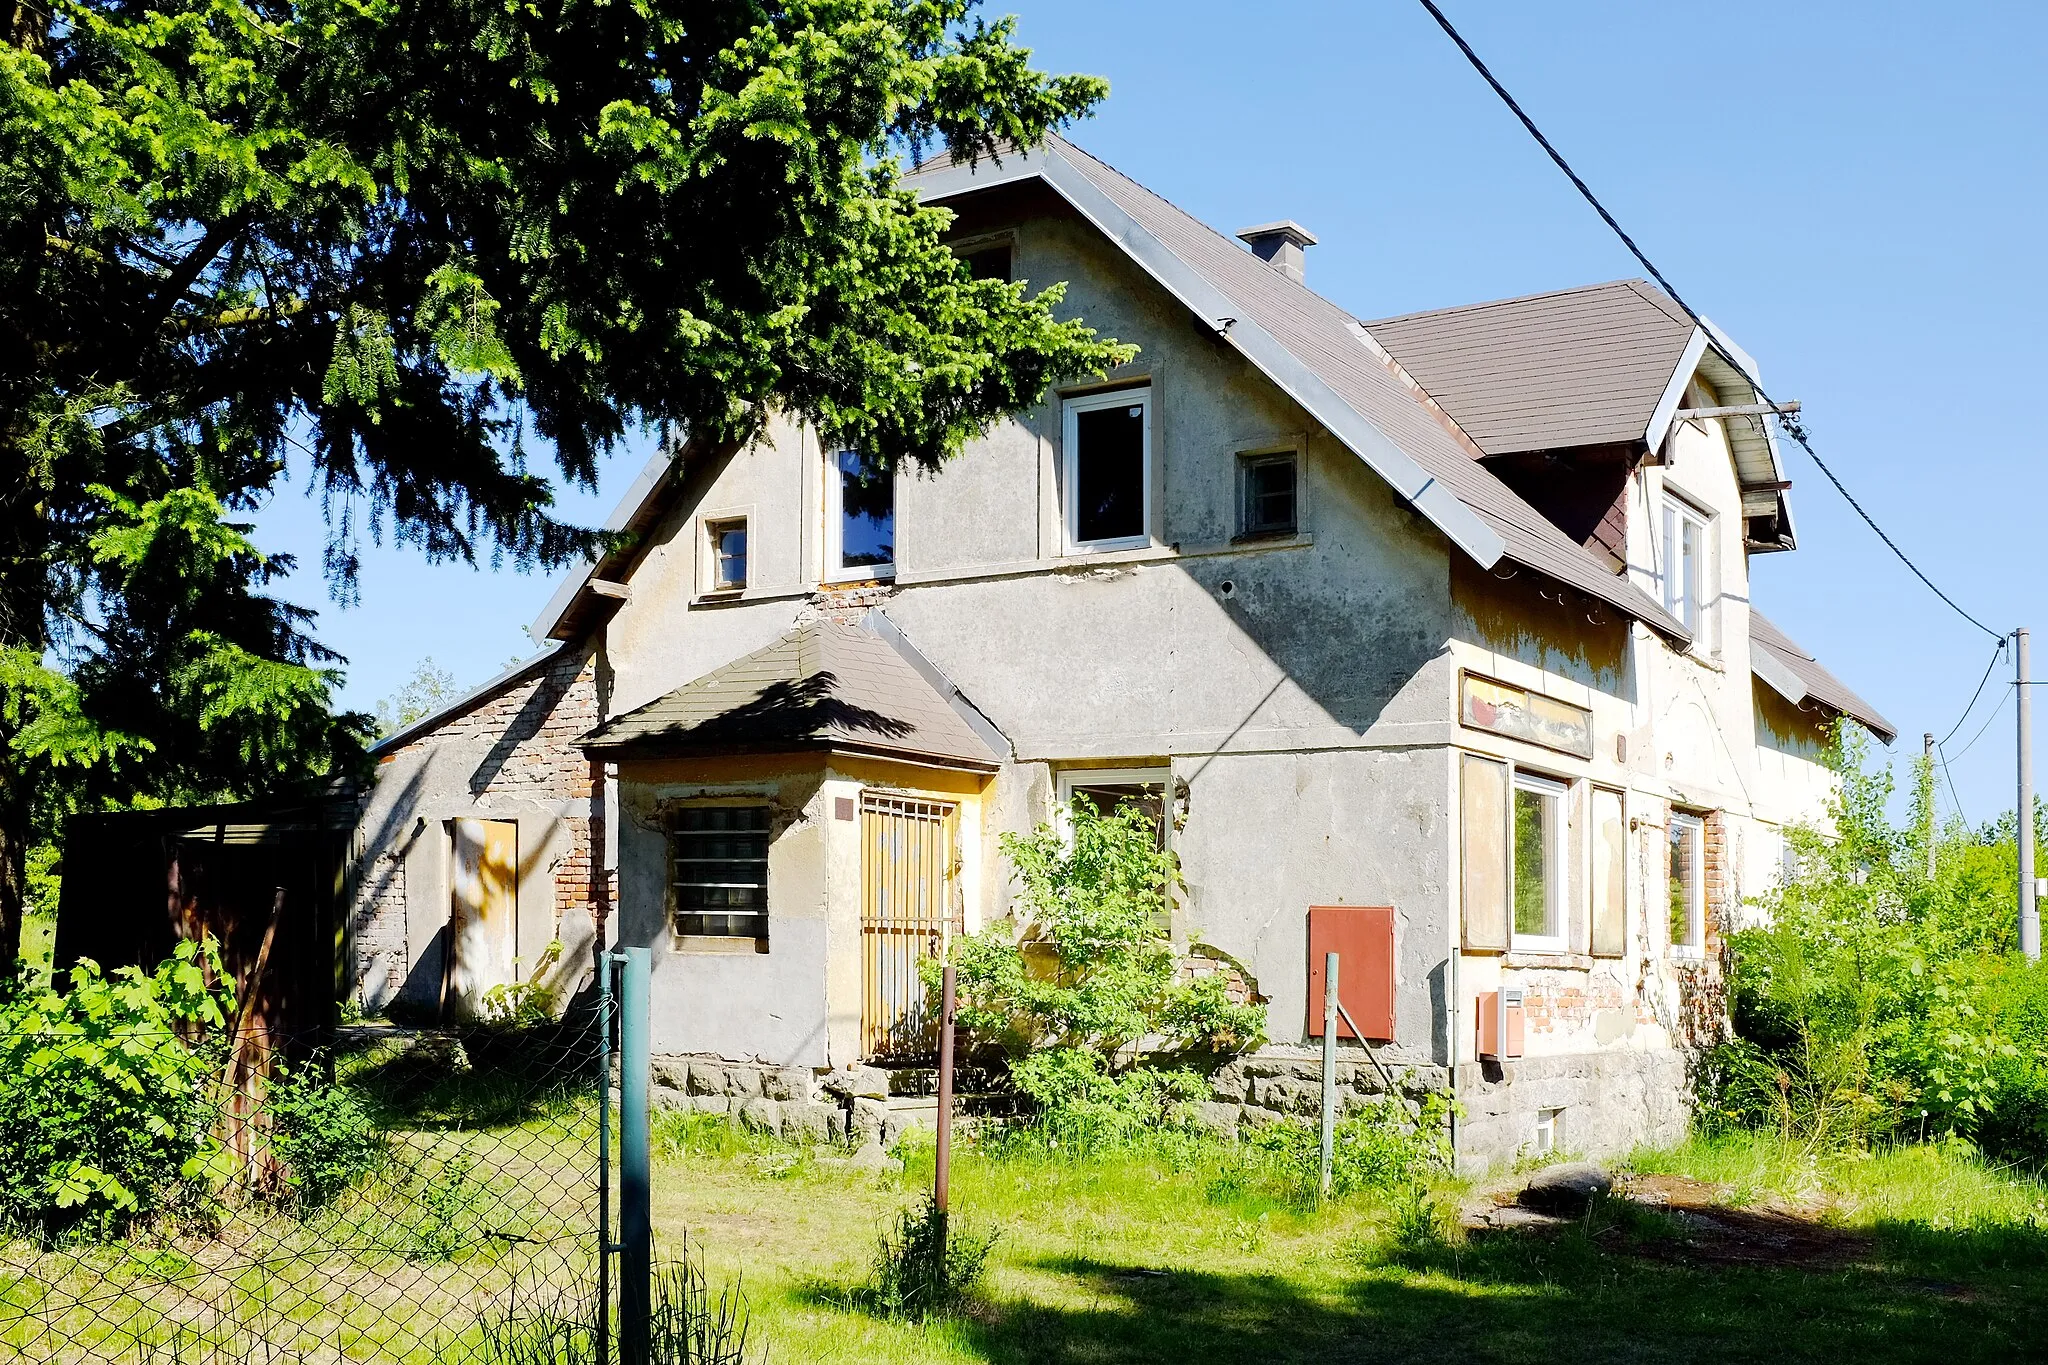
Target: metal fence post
<point>602,1327</point>
<point>942,1168</point>
<point>1329,1067</point>
<point>636,1228</point>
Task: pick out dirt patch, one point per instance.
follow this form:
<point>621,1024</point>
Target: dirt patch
<point>1690,1222</point>
<point>1775,1233</point>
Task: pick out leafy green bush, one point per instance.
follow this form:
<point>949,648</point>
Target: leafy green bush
<point>1086,992</point>
<point>323,1136</point>
<point>1881,1001</point>
<point>104,1105</point>
<point>927,1264</point>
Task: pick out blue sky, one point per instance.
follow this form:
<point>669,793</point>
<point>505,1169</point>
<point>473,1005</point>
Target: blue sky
<point>1854,192</point>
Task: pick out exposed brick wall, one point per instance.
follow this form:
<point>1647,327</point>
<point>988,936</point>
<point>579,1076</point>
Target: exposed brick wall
<point>531,729</point>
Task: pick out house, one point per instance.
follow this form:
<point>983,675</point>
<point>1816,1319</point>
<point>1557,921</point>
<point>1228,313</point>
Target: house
<point>1447,613</point>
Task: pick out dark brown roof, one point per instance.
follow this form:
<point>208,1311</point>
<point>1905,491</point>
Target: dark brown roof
<point>823,686</point>
<point>1821,685</point>
<point>1578,367</point>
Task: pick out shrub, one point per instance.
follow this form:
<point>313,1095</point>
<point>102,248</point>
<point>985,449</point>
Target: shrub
<point>322,1135</point>
<point>104,1105</point>
<point>1385,1146</point>
<point>689,1326</point>
<point>1880,1001</point>
<point>1087,988</point>
<point>450,1217</point>
<point>927,1264</point>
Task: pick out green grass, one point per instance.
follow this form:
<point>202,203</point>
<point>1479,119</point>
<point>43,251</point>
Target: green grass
<point>1187,1252</point>
<point>1160,1258</point>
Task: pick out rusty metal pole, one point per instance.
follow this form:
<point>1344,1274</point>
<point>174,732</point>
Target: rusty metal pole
<point>942,1169</point>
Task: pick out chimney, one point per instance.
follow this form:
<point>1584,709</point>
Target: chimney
<point>1282,245</point>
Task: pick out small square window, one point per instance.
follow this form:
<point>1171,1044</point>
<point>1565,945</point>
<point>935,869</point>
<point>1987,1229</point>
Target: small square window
<point>1109,790</point>
<point>718,856</point>
<point>989,262</point>
<point>1269,494</point>
<point>728,545</point>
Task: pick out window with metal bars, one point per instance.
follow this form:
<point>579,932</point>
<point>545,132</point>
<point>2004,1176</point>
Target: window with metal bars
<point>718,880</point>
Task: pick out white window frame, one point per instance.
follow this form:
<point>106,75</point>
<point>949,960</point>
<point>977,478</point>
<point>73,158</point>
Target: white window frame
<point>1696,911</point>
<point>1070,778</point>
<point>835,528</point>
<point>1070,462</point>
<point>707,536</point>
<point>1692,603</point>
<point>1560,791</point>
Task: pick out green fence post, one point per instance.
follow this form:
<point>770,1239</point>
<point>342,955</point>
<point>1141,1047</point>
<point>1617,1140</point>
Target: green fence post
<point>636,1227</point>
<point>602,1327</point>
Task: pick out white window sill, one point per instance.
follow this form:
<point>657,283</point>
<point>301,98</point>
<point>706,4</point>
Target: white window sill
<point>1123,545</point>
<point>874,575</point>
<point>1522,955</point>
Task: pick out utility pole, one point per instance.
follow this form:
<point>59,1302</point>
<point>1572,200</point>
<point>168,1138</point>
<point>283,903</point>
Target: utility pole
<point>2030,914</point>
<point>1927,786</point>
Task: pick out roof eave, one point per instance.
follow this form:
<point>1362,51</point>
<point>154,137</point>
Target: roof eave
<point>476,696</point>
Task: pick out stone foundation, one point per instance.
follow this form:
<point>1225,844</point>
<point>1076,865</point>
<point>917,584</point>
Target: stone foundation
<point>1606,1103</point>
<point>1282,1083</point>
<point>797,1102</point>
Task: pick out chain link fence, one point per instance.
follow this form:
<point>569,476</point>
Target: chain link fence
<point>373,1194</point>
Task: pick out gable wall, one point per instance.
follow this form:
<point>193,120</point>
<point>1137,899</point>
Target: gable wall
<point>511,757</point>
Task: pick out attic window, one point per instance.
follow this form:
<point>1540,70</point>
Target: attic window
<point>1688,567</point>
<point>727,542</point>
<point>1269,483</point>
<point>990,262</point>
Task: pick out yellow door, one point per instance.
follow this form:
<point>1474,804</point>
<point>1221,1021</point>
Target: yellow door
<point>483,922</point>
<point>908,912</point>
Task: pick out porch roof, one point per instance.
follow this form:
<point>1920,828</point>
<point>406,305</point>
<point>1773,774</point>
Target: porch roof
<point>824,686</point>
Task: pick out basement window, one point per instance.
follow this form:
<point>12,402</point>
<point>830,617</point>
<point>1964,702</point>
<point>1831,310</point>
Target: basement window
<point>1108,470</point>
<point>1538,849</point>
<point>727,542</point>
<point>860,517</point>
<point>1548,1124</point>
<point>1688,836</point>
<point>1269,483</point>
<point>718,858</point>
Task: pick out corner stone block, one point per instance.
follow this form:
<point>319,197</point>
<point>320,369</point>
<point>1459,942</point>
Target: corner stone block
<point>808,1120</point>
<point>673,1072</point>
<point>762,1115</point>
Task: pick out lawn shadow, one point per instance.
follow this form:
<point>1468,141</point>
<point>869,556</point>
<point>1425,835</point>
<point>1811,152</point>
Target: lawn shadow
<point>1560,1294</point>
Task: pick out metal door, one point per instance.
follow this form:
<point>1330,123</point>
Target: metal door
<point>909,909</point>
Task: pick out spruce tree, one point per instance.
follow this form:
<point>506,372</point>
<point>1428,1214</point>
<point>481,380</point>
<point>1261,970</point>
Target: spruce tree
<point>400,248</point>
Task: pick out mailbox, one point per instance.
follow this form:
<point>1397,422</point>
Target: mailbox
<point>1500,1024</point>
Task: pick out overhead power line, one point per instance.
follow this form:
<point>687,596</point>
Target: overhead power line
<point>1792,425</point>
<point>1997,653</point>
